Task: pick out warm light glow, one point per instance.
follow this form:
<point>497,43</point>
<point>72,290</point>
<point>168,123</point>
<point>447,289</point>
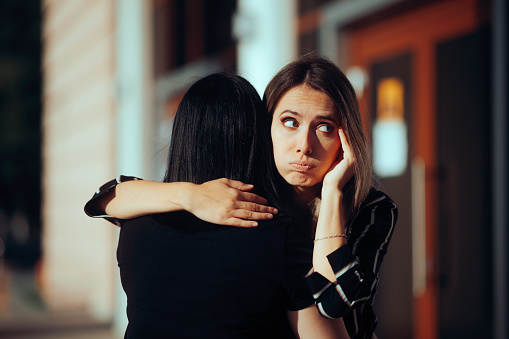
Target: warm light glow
<point>390,143</point>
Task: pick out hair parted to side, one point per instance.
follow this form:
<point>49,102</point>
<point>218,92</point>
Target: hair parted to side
<point>322,75</point>
<point>220,130</point>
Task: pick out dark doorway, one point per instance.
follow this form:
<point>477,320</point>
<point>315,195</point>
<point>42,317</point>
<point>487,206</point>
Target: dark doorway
<point>463,113</point>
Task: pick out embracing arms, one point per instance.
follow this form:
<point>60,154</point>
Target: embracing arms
<point>221,201</point>
<point>128,197</point>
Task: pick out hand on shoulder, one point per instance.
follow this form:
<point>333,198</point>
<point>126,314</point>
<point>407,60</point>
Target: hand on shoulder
<point>226,202</point>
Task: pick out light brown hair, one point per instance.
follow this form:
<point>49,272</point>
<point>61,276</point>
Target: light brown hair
<point>322,75</point>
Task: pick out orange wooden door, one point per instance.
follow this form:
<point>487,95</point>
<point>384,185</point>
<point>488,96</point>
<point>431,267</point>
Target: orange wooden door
<point>416,32</point>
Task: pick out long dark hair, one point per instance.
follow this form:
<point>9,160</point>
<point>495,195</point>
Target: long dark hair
<point>322,75</point>
<point>221,129</point>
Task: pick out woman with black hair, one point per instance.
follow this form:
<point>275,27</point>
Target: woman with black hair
<point>324,182</point>
<point>187,278</point>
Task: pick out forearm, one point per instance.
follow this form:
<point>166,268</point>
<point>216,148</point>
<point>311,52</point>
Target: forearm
<point>220,201</point>
<point>308,323</point>
<point>331,222</point>
<point>356,267</point>
<point>132,199</point>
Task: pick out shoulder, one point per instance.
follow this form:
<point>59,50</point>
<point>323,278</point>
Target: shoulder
<point>379,202</point>
<point>141,225</point>
<point>276,230</point>
<point>376,198</point>
<point>280,218</point>
<point>377,206</point>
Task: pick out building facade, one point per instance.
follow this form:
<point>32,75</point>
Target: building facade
<point>114,73</point>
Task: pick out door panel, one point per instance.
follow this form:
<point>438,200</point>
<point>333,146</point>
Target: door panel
<point>374,41</point>
<point>463,190</point>
<point>393,303</point>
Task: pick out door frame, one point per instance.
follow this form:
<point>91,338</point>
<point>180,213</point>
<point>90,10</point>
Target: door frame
<point>417,30</point>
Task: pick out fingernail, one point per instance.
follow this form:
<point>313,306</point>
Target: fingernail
<point>275,211</point>
<point>254,224</point>
<point>270,216</point>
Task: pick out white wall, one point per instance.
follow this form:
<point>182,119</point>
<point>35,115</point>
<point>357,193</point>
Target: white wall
<point>267,38</point>
<point>78,154</point>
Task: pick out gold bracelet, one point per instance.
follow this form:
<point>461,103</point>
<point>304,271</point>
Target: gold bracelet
<point>332,236</point>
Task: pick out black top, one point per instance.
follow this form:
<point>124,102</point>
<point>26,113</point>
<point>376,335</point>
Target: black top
<point>357,267</point>
<point>185,278</point>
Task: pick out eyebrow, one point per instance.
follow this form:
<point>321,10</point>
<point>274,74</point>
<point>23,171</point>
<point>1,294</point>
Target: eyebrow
<point>322,117</point>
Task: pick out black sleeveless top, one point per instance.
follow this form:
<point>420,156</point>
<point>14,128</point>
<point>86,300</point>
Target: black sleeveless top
<point>185,278</point>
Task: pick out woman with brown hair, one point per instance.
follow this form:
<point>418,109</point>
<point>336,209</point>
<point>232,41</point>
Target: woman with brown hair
<point>187,278</point>
<point>324,182</point>
<point>320,149</point>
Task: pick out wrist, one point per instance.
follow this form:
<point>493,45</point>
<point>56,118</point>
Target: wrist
<point>332,192</point>
<point>181,194</point>
<point>331,216</point>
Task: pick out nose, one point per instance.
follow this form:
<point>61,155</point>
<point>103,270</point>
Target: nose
<point>304,142</point>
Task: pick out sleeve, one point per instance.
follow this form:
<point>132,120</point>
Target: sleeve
<point>94,211</point>
<point>357,264</point>
<point>298,261</point>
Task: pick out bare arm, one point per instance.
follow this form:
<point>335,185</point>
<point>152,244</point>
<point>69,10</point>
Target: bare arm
<point>308,323</point>
<point>340,280</point>
<point>221,201</point>
<point>132,199</point>
<point>332,218</point>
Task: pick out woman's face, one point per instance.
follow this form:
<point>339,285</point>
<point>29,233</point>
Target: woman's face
<point>305,136</point>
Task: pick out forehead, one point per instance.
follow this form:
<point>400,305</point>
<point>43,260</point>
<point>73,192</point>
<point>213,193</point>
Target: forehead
<point>303,99</point>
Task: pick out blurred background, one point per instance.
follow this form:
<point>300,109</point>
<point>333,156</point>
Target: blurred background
<point>88,89</point>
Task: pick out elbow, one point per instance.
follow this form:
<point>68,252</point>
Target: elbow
<point>337,300</point>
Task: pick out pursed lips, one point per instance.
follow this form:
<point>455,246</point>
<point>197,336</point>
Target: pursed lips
<point>302,166</point>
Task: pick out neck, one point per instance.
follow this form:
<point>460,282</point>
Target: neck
<point>304,195</point>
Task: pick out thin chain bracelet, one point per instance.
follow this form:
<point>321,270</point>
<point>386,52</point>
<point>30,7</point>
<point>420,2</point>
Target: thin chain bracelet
<point>332,236</point>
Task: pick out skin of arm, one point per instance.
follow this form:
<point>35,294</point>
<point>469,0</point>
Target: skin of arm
<point>332,219</point>
<point>136,198</point>
<point>220,201</point>
<point>308,323</point>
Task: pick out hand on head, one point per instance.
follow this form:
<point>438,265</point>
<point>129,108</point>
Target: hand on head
<point>342,170</point>
<point>329,96</point>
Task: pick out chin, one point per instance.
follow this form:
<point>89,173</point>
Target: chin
<point>302,180</point>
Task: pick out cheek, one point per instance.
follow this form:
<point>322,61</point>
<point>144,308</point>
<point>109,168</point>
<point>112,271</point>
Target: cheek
<point>331,150</point>
<point>334,149</point>
<point>279,166</point>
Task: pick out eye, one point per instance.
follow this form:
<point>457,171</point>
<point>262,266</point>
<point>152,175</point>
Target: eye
<point>289,122</point>
<point>325,128</point>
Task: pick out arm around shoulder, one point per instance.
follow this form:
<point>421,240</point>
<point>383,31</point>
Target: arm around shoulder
<point>130,197</point>
<point>220,201</point>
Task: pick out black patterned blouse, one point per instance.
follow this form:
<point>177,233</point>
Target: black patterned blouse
<point>356,266</point>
